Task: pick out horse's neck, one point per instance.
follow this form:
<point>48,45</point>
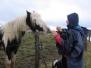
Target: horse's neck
<point>18,24</point>
<point>22,26</point>
<point>14,28</point>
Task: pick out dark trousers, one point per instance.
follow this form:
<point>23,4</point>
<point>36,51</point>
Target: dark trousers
<point>64,62</point>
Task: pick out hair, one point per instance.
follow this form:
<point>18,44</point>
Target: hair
<point>12,31</point>
<point>14,28</point>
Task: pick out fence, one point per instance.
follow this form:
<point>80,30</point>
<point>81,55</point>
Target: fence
<point>89,35</point>
<point>37,54</point>
<point>28,55</point>
<point>87,57</point>
<point>87,46</point>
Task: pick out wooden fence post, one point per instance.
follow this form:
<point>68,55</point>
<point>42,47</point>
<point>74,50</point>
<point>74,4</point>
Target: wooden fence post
<point>85,44</point>
<point>89,36</point>
<point>36,50</point>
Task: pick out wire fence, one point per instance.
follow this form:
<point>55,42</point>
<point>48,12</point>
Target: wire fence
<point>48,53</point>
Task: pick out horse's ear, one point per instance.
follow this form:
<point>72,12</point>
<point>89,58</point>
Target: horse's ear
<point>28,13</point>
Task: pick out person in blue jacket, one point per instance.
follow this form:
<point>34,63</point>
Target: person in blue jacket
<point>72,56</point>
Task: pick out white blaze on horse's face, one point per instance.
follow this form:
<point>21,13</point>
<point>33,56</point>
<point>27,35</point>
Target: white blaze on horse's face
<point>37,23</point>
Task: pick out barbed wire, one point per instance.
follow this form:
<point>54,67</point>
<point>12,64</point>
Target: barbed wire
<point>42,54</point>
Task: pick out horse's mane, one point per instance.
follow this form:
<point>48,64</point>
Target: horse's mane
<point>14,27</point>
<point>15,24</point>
<point>19,23</point>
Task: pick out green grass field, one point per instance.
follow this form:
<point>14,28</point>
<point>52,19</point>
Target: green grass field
<point>26,53</point>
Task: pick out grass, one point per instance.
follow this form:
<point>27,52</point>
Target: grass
<point>87,57</point>
<point>26,53</point>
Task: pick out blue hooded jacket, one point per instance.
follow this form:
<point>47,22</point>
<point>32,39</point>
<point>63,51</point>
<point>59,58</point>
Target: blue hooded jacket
<point>73,20</point>
<point>76,41</point>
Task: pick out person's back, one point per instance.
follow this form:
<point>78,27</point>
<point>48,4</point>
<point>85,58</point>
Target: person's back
<point>75,50</point>
<point>74,59</point>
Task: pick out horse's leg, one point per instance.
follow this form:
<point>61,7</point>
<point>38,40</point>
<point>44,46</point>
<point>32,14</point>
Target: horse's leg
<point>8,62</point>
<point>8,57</point>
<point>13,58</point>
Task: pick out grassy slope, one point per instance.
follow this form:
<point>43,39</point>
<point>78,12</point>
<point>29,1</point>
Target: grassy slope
<point>26,53</point>
<point>87,56</point>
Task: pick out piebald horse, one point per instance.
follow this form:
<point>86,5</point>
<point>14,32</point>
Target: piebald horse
<point>12,32</point>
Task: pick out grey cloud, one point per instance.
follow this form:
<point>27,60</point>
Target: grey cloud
<point>10,9</point>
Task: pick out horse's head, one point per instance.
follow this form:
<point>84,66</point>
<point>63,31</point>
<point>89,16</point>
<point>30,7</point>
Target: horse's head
<point>35,22</point>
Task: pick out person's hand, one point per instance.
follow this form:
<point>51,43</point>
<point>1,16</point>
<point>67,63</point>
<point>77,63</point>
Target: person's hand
<point>59,28</point>
<point>54,33</point>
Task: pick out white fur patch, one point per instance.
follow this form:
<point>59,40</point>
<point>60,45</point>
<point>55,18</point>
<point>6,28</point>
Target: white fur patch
<point>13,29</point>
<point>13,57</point>
<point>8,62</point>
<point>39,21</point>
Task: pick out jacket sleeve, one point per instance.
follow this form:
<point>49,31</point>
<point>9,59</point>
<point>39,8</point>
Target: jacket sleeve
<point>58,39</point>
<point>79,46</point>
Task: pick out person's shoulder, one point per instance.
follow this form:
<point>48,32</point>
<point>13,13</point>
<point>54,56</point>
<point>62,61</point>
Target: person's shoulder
<point>70,31</point>
<point>73,32</point>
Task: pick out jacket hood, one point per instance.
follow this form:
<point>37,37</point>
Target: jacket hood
<point>73,19</point>
<point>84,31</point>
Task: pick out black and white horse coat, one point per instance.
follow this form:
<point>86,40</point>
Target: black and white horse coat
<point>12,32</point>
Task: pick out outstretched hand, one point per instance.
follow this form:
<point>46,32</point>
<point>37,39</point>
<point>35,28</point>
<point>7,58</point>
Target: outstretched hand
<point>54,33</point>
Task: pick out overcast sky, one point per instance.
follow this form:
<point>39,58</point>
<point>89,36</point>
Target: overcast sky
<point>53,12</point>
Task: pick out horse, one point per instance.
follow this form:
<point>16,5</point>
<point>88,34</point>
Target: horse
<point>12,32</point>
